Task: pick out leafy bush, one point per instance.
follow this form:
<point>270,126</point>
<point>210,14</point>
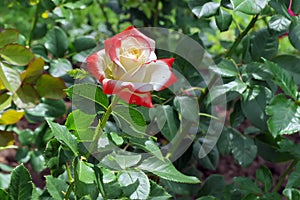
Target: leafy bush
<point>94,145</point>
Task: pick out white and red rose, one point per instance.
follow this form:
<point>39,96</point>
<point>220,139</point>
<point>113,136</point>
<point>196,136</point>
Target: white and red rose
<point>128,67</point>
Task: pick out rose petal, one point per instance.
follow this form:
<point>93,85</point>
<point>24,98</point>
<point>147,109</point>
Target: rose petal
<point>95,64</point>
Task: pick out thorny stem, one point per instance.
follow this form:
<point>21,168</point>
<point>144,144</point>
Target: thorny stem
<point>285,173</point>
<point>35,20</point>
<point>101,125</point>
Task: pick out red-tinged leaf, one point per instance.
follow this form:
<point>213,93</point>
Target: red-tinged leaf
<point>16,54</point>
<point>50,87</point>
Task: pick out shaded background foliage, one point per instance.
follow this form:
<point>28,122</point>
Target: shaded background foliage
<point>255,45</point>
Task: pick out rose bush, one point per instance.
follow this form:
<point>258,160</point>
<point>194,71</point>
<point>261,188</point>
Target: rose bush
<point>128,67</point>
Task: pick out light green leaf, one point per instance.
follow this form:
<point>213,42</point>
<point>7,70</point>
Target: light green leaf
<point>84,172</point>
<point>11,116</point>
<point>165,169</point>
<point>127,178</point>
<point>62,134</point>
<point>250,7</point>
<point>291,193</point>
<point>284,116</point>
<point>21,186</point>
<point>118,161</point>
<point>16,54</point>
<point>60,67</point>
<point>56,42</point>
<point>56,187</point>
<point>279,23</point>
<point>10,78</point>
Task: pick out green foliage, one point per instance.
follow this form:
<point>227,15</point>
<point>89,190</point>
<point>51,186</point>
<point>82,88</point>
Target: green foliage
<point>110,150</point>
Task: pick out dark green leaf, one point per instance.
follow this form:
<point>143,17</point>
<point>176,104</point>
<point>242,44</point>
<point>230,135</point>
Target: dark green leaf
<point>84,43</point>
<point>254,104</point>
<point>157,192</point>
<point>187,107</point>
<point>56,42</point>
<point>294,35</point>
<point>62,134</point>
<point>6,139</point>
<point>164,117</point>
<point>264,175</point>
<point>148,145</point>
<point>21,186</point>
<point>3,194</point>
<point>166,170</point>
<point>223,19</point>
<point>284,116</point>
<point>206,10</point>
<point>16,54</point>
<point>263,44</point>
<point>246,185</point>
<point>226,68</point>
<point>250,7</point>
<point>294,178</point>
<point>127,178</point>
<point>214,185</point>
<point>26,97</point>
<point>283,79</point>
<point>210,161</point>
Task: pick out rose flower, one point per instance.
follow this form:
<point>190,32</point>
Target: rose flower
<point>128,67</point>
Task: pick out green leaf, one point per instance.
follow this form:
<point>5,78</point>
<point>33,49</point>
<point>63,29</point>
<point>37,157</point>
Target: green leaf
<point>187,107</point>
<point>223,19</point>
<point>226,68</point>
<point>254,104</point>
<point>250,7</point>
<point>210,161</point>
<point>127,178</point>
<point>284,116</point>
<point>60,67</point>
<point>294,35</point>
<point>8,36</point>
<point>16,54</point>
<point>148,145</point>
<point>3,194</point>
<point>118,161</point>
<point>234,86</point>
<point>283,79</point>
<point>264,44</point>
<point>207,198</point>
<point>246,185</point>
<point>10,78</point>
<point>5,180</point>
<point>56,187</point>
<point>243,149</point>
<point>294,178</point>
<point>130,120</point>
<point>6,139</point>
<point>166,170</point>
<point>264,175</point>
<point>84,172</point>
<point>213,185</point>
<point>84,43</point>
<point>5,101</point>
<point>84,96</point>
<point>50,87</point>
<point>33,71</point>
<point>47,108</point>
<point>37,161</point>
<point>56,42</point>
<point>291,193</point>
<point>206,10</point>
<point>157,192</point>
<point>279,24</point>
<point>62,134</point>
<point>164,116</point>
<point>26,97</point>
<point>21,186</point>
